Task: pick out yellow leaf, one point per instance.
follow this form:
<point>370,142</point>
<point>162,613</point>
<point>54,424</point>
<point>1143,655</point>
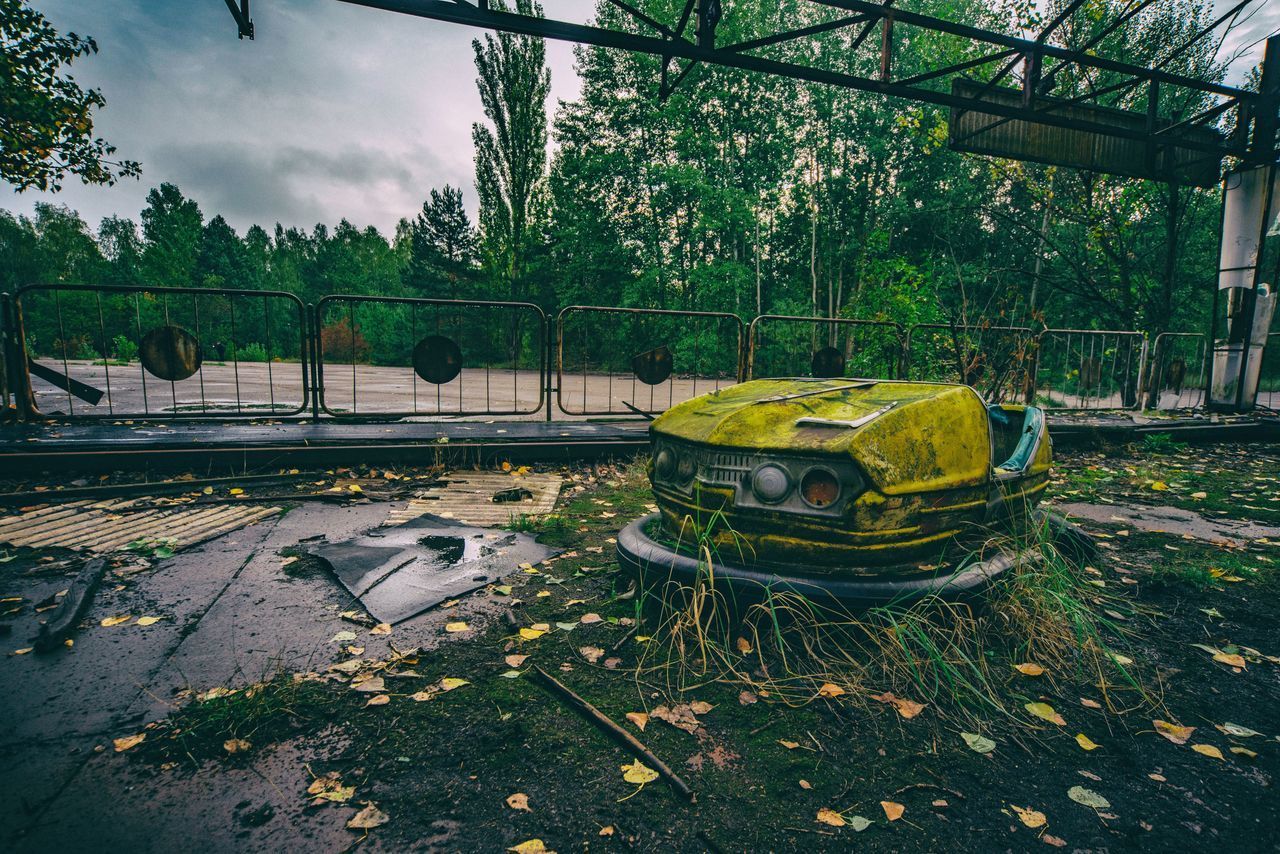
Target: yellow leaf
<point>368,818</point>
<point>830,689</point>
<point>208,490</point>
<point>422,696</point>
<point>831,817</point>
<point>542,594</point>
<point>789,745</point>
<point>744,646</point>
<point>638,773</point>
<point>1045,712</point>
<point>1173,732</point>
<point>379,700</point>
<point>117,621</point>
<point>129,742</point>
<point>459,626</point>
<point>515,660</point>
<point>26,649</point>
<point>506,466</point>
<point>1207,750</point>
<point>330,788</point>
<point>235,745</point>
<point>1085,742</point>
<point>607,831</point>
<point>235,490</point>
<point>1231,659</point>
<point>354,487</point>
<point>532,634</point>
<point>519,801</point>
<point>1029,817</point>
<point>1199,496</point>
<point>448,683</point>
<point>148,621</point>
<point>1244,751</point>
<point>892,811</point>
<point>381,629</point>
<point>1159,485</point>
<point>1029,669</point>
<point>640,719</point>
<point>907,708</point>
<point>531,846</point>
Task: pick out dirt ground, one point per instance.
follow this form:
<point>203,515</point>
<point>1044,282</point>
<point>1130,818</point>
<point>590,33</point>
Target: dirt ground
<point>252,739</point>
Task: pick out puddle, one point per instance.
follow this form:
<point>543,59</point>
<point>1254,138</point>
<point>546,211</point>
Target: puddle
<point>450,551</point>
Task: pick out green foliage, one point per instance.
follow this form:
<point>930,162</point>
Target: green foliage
<point>123,349</point>
<point>46,119</point>
<point>251,352</point>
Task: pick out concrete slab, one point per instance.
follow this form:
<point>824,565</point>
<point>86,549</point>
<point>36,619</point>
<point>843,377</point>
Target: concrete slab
<point>1171,520</point>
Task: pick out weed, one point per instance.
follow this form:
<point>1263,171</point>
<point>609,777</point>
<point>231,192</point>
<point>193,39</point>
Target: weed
<point>1162,443</point>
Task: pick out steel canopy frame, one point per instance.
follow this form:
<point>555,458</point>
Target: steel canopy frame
<point>1249,140</point>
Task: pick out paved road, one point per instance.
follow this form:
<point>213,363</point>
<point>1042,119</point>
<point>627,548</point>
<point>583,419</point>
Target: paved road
<point>264,389</point>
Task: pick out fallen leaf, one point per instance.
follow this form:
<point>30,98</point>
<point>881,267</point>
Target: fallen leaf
<point>515,660</point>
<point>519,801</point>
<point>1207,750</point>
<point>1090,704</point>
<point>607,831</point>
<point>1230,659</point>
<point>1244,751</point>
<point>744,646</point>
<point>566,627</point>
<point>1055,841</point>
<point>978,743</point>
<point>235,490</point>
<point>531,846</point>
<point>859,824</point>
<point>1173,732</point>
<point>235,745</point>
<point>805,784</point>
<point>699,707</point>
<point>789,745</point>
<point>1031,818</point>
<point>907,708</point>
<point>640,719</point>
<point>330,788</point>
<point>681,717</point>
<point>148,621</point>
<point>368,818</point>
<point>892,810</point>
<point>1199,496</point>
<point>1085,742</point>
<point>1029,669</point>
<point>826,815</point>
<point>448,683</point>
<point>129,742</point>
<point>502,589</point>
<point>340,637</point>
<point>381,629</point>
<point>542,594</point>
<point>422,696</point>
<point>591,653</point>
<point>588,619</point>
<point>1237,730</point>
<point>1088,798</point>
<point>746,698</point>
<point>457,627</point>
<point>532,634</point>
<point>830,689</point>
<point>116,621</point>
<point>1159,485</point>
<point>379,700</point>
<point>25,650</point>
<point>638,773</point>
<point>1045,712</point>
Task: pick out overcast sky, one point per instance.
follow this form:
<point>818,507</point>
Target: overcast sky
<point>333,111</point>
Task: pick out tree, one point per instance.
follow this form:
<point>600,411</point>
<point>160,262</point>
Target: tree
<point>223,262</point>
<point>511,156</point>
<point>172,227</point>
<point>122,247</point>
<point>46,119</point>
<point>442,242</point>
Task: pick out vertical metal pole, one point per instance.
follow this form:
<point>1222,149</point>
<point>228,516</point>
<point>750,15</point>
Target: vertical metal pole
<point>548,359</point>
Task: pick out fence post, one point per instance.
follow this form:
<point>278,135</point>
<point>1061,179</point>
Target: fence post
<point>548,359</point>
<point>313,356</point>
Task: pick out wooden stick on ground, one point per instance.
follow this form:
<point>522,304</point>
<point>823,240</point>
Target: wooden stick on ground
<point>619,734</point>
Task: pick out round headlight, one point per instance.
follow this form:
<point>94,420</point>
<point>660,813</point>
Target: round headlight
<point>819,488</point>
<point>770,483</point>
<point>664,464</point>
<point>686,468</point>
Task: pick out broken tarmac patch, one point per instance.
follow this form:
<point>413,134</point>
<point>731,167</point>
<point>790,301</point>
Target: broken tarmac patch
<point>399,572</point>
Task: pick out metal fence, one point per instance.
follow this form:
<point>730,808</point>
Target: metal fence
<point>785,346</point>
<point>98,351</point>
<point>1087,369</point>
<point>1269,374</point>
<point>998,361</point>
<point>403,357</point>
<point>1177,372</point>
<point>619,361</point>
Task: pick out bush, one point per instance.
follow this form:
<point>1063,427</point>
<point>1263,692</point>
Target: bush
<point>85,351</point>
<point>339,342</point>
<point>123,349</point>
<point>251,352</point>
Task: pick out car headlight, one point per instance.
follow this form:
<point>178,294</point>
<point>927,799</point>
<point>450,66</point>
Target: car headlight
<point>686,467</point>
<point>664,464</point>
<point>819,487</point>
<point>770,483</point>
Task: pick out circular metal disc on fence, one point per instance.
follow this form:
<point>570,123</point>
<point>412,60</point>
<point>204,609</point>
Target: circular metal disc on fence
<point>437,359</point>
<point>170,353</point>
<point>653,366</point>
<point>828,363</point>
